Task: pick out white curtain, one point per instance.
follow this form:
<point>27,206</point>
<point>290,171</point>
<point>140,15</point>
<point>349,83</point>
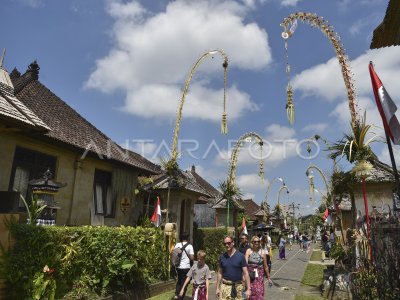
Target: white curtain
<point>99,199</point>
<point>109,202</point>
<point>21,179</point>
<point>95,220</point>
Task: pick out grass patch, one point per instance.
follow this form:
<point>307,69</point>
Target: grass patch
<point>313,276</point>
<point>164,296</point>
<point>310,297</point>
<point>170,294</point>
<point>316,256</point>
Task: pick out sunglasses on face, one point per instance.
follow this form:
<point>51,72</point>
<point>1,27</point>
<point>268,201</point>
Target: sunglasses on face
<point>227,243</point>
<point>256,241</point>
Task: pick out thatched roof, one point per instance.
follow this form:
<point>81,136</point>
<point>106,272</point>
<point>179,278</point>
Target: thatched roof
<point>388,32</point>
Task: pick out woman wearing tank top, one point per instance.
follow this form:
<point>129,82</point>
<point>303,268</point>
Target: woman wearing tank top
<point>256,262</point>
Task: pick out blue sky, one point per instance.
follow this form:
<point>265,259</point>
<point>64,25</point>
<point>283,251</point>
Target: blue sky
<point>122,65</point>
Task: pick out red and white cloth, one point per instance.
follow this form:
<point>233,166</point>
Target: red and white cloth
<point>244,228</point>
<point>386,107</point>
<point>156,218</point>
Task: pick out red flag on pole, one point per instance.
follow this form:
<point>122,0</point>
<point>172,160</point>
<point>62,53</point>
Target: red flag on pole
<point>244,228</point>
<point>156,218</point>
<point>326,214</point>
<point>386,107</point>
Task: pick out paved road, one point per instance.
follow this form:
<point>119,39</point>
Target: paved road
<point>286,276</point>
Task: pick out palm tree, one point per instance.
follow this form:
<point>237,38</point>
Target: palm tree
<point>229,191</point>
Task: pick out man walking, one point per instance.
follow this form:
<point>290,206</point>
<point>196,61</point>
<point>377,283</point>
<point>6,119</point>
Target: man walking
<point>232,269</point>
<point>244,243</point>
<point>184,265</point>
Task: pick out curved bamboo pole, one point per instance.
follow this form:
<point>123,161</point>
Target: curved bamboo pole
<point>264,205</point>
<point>289,25</point>
<point>185,90</point>
<point>233,162</point>
<point>235,153</point>
<point>284,187</point>
<point>310,167</point>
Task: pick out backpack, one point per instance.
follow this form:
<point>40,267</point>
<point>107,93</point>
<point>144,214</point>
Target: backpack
<point>176,256</point>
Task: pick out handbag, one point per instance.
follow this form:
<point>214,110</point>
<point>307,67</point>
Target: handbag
<point>252,275</point>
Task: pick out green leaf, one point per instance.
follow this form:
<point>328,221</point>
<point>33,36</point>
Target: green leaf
<point>127,266</point>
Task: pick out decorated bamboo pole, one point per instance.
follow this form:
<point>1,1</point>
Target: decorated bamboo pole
<point>284,187</point>
<point>264,205</point>
<point>172,165</point>
<point>224,128</point>
<point>311,179</point>
<point>289,25</point>
<point>233,163</point>
<point>362,170</point>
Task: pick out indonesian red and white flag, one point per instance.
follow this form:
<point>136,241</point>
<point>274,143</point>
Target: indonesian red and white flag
<point>386,107</point>
<point>244,228</point>
<point>326,214</point>
<point>156,218</point>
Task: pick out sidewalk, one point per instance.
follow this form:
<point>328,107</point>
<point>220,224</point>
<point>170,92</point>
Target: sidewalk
<point>286,275</point>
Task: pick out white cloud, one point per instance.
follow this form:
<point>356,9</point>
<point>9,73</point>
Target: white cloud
<point>31,3</point>
<point>161,100</point>
<point>152,54</point>
<point>289,2</point>
<point>315,128</point>
<point>279,132</point>
<point>250,196</point>
<point>330,85</point>
<point>364,23</point>
<point>279,145</point>
<point>211,175</point>
<point>385,157</point>
<point>145,148</point>
<point>250,183</point>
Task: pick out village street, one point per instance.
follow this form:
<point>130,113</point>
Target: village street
<point>286,275</point>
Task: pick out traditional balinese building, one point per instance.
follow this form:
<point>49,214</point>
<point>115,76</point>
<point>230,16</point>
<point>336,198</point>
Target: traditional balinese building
<point>179,195</point>
<point>250,210</point>
<point>380,185</point>
<point>221,212</point>
<point>40,132</point>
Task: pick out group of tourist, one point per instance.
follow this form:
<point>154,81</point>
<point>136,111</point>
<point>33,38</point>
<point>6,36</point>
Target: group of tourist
<point>240,274</point>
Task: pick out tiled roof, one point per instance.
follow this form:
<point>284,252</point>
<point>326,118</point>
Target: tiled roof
<point>388,32</point>
<point>222,203</point>
<point>380,172</point>
<point>186,180</point>
<point>250,207</point>
<point>69,127</point>
<point>212,191</point>
<point>12,111</point>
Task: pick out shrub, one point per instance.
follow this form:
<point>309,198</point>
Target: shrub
<point>210,240</point>
<point>97,260</point>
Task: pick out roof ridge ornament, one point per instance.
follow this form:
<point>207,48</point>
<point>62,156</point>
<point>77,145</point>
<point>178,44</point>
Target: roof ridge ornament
<point>34,68</point>
<point>2,57</point>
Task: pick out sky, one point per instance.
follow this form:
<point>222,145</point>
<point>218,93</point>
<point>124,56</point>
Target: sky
<point>122,65</point>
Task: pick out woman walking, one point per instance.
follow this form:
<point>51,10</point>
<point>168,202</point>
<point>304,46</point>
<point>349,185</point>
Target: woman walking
<point>257,265</point>
<point>282,242</point>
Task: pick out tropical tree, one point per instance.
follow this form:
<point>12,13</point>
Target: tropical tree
<point>229,191</point>
<point>355,146</point>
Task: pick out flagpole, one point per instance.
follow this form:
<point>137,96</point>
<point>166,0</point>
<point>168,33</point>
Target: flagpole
<point>396,174</point>
<point>367,217</point>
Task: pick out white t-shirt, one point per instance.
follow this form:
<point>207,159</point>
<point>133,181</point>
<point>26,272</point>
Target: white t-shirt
<point>185,261</point>
<point>268,244</point>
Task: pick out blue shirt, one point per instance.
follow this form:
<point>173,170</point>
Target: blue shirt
<point>232,266</point>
